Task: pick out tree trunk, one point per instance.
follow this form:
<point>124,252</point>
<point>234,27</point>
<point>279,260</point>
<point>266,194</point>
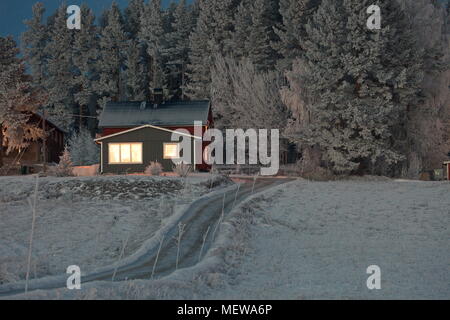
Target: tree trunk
<point>1,145</point>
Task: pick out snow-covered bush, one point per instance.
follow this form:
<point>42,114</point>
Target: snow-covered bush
<point>154,168</point>
<point>65,166</point>
<point>83,149</point>
<point>182,169</point>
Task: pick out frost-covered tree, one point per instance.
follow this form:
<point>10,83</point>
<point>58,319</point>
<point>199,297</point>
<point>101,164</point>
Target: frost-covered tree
<point>242,27</point>
<point>65,166</point>
<point>133,13</point>
<point>212,34</point>
<point>85,58</point>
<point>358,85</point>
<point>59,79</point>
<point>291,32</point>
<point>134,74</point>
<point>244,97</point>
<point>152,35</point>
<point>177,52</point>
<point>428,123</point>
<point>82,148</point>
<point>111,59</point>
<point>264,15</point>
<point>18,100</point>
<point>200,55</point>
<point>34,42</point>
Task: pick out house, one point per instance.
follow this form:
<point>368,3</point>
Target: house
<point>33,155</point>
<point>135,133</point>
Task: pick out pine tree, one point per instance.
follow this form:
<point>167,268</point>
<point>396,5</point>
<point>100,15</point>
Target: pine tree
<point>134,74</point>
<point>359,84</point>
<point>260,51</point>
<point>241,35</point>
<point>18,100</point>
<point>223,13</point>
<point>111,60</point>
<point>200,55</point>
<point>291,32</point>
<point>213,34</point>
<point>85,54</point>
<point>178,51</point>
<point>152,35</point>
<point>34,41</point>
<point>132,17</point>
<point>59,79</point>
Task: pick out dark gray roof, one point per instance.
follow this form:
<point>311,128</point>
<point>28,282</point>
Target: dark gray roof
<point>130,114</point>
<point>51,122</point>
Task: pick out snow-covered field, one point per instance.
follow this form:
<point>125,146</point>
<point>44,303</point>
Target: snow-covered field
<point>83,221</point>
<point>313,240</point>
<point>316,240</point>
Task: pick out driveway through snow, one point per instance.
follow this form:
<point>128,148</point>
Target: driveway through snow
<point>201,215</point>
<point>315,240</point>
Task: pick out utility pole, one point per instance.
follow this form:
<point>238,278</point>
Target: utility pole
<point>81,117</point>
<point>1,145</point>
<point>44,144</point>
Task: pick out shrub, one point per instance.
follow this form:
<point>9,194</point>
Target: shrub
<point>154,168</point>
<point>83,150</point>
<point>65,166</point>
<point>182,169</point>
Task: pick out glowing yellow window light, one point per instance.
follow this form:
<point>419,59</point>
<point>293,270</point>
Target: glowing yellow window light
<point>120,153</point>
<point>171,151</point>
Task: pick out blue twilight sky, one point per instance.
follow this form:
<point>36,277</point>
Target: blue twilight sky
<point>14,12</point>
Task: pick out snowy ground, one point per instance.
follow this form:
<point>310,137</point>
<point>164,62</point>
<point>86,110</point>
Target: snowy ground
<point>84,221</point>
<point>316,240</point>
<point>313,240</point>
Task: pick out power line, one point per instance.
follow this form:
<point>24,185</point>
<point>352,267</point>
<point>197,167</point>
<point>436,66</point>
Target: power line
<point>79,116</point>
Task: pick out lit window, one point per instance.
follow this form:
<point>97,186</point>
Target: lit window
<point>171,151</point>
<point>114,153</point>
<point>206,155</point>
<point>125,153</point>
<point>136,152</point>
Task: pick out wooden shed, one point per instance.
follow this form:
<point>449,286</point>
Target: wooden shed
<point>33,154</point>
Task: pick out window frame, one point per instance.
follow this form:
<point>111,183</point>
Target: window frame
<point>131,153</point>
<point>178,150</point>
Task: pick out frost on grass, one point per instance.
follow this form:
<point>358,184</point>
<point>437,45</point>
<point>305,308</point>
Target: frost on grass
<point>315,240</point>
<point>83,221</point>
